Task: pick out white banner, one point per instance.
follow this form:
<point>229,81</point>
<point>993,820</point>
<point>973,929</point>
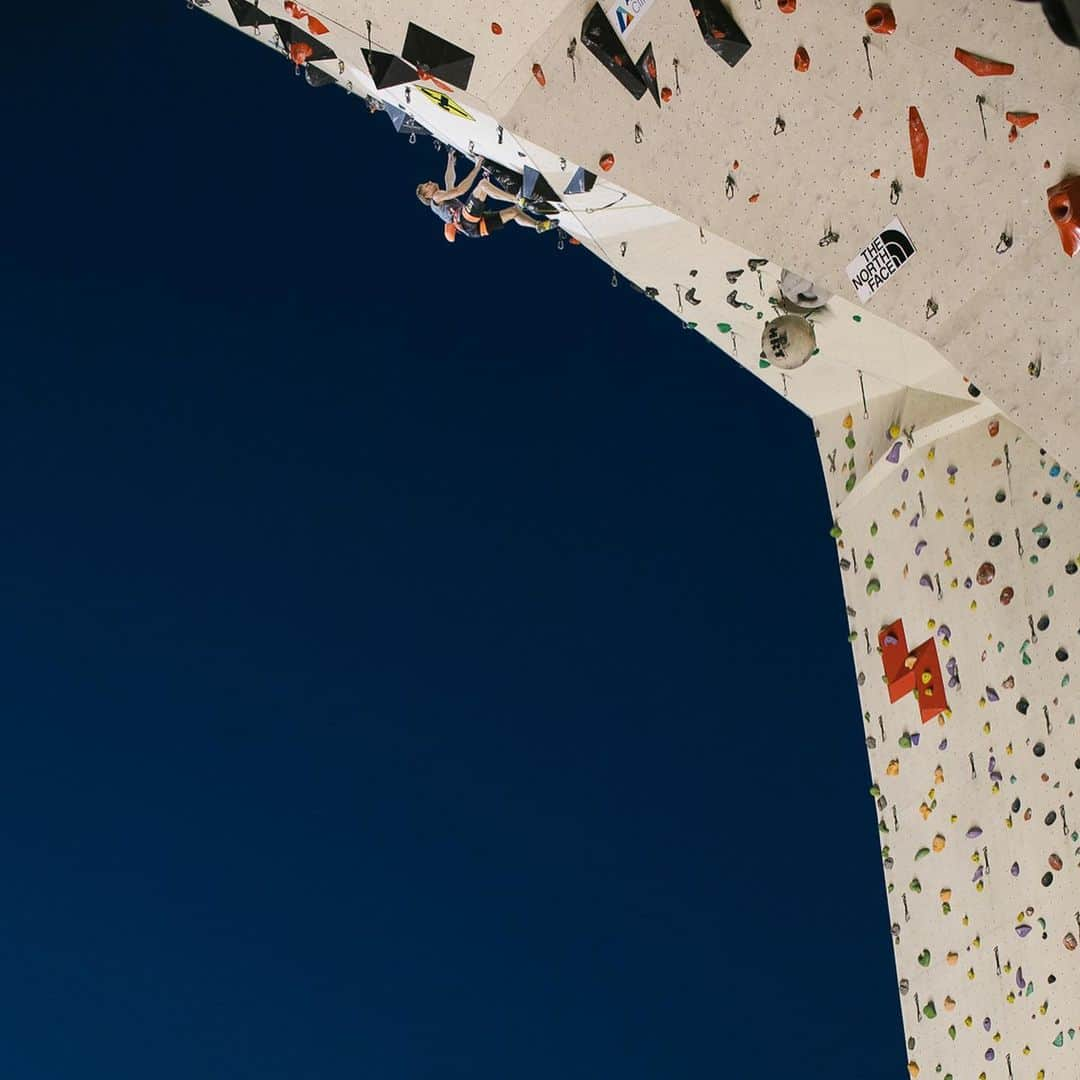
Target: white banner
<point>625,15</point>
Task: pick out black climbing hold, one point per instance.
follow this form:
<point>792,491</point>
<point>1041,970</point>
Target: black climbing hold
<point>438,57</point>
<point>720,31</point>
<point>534,187</point>
<point>1050,818</point>
<point>1016,806</point>
<point>999,496</point>
<point>317,77</point>
<point>1062,653</point>
<point>581,182</point>
<point>1038,749</point>
<point>734,275</point>
<point>646,68</point>
<point>756,264</point>
<point>387,69</point>
<point>599,37</point>
<point>249,14</point>
<point>291,35</point>
<point>973,390</point>
<point>1070,567</point>
<point>1022,706</point>
<point>1047,879</point>
<point>1044,622</point>
<point>1043,542</point>
<point>995,539</point>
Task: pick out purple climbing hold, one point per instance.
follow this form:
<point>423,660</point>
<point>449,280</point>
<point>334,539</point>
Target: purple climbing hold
<point>926,581</point>
<point>991,694</point>
<point>1023,930</point>
<point>986,1023</point>
<point>920,547</point>
<point>974,832</point>
<point>944,632</point>
<point>951,470</point>
<point>891,639</point>
<point>894,453</point>
<point>914,736</point>
<point>1020,981</point>
<point>1015,869</point>
<point>914,522</point>
<point>904,474</point>
<point>943,745</point>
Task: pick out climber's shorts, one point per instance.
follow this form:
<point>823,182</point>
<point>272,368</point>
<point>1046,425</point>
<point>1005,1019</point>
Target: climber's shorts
<point>482,224</point>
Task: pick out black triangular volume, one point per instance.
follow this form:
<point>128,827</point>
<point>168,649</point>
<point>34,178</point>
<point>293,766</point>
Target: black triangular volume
<point>720,31</point>
<point>646,68</point>
<point>535,188</point>
<point>505,178</point>
<point>599,37</point>
<point>581,182</point>
<point>293,37</point>
<point>387,69</point>
<point>248,14</point>
<point>436,56</point>
<point>317,77</point>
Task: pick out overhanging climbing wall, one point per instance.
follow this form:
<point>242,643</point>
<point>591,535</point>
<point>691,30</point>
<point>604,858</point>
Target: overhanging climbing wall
<point>872,211</point>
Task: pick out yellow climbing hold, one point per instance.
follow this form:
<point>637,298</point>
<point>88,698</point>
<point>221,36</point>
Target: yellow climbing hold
<point>893,768</point>
<point>913,1069</point>
<point>894,431</point>
<point>938,843</point>
<point>847,422</point>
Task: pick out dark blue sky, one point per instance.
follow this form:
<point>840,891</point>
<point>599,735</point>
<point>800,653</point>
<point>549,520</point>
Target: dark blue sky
<point>385,693</point>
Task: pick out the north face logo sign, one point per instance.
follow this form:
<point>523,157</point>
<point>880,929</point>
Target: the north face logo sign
<point>880,259</point>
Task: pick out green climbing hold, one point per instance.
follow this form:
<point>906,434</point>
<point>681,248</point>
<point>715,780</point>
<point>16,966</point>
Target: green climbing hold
<point>850,482</point>
<point>922,853</point>
<point>929,1010</point>
<point>869,562</point>
<point>763,363</point>
<point>849,441</point>
<point>875,791</point>
<point>853,636</point>
<point>724,327</point>
<point>873,586</point>
<point>836,532</point>
<point>873,528</point>
<point>1059,1039</point>
<point>905,741</point>
<point>952,1035</point>
<point>856,318</point>
<point>916,885</point>
<point>924,958</point>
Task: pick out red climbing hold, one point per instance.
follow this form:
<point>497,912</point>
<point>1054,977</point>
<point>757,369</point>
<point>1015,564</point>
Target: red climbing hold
<point>786,6</point>
<point>802,59</point>
<point>538,74</point>
<point>754,197</point>
<point>300,52</point>
<point>1022,119</point>
<point>920,141</point>
<point>980,65</point>
<point>857,114</point>
<point>880,19</point>
<point>496,29</point>
<point>607,162</point>
<point>1063,202</point>
<point>1013,134</point>
<point>665,93</point>
<point>876,174</point>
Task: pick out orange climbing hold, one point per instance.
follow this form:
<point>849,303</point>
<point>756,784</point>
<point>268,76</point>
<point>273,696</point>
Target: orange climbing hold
<point>538,74</point>
<point>496,29</point>
<point>876,174</point>
<point>300,52</point>
<point>920,141</point>
<point>980,65</point>
<point>786,6</point>
<point>1063,202</point>
<point>665,93</point>
<point>802,59</point>
<point>857,114</point>
<point>734,165</point>
<point>754,197</point>
<point>1022,119</point>
<point>607,162</point>
<point>880,19</point>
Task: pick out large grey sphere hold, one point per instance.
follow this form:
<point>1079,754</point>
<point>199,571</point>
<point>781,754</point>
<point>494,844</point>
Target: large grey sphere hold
<point>788,342</point>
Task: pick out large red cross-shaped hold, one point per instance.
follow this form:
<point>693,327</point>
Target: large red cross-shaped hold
<point>913,670</point>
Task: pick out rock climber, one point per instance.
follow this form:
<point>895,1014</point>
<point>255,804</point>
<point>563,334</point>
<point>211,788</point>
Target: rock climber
<point>465,214</point>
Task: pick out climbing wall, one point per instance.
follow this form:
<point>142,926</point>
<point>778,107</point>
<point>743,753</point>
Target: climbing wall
<point>739,166</point>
